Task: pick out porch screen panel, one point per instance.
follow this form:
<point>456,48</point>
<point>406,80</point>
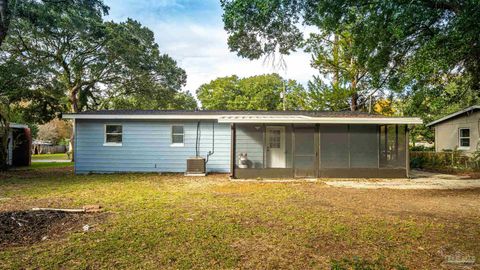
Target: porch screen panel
<point>363,146</point>
<point>334,146</point>
<point>305,151</point>
<point>393,146</point>
<point>402,154</point>
<point>249,141</point>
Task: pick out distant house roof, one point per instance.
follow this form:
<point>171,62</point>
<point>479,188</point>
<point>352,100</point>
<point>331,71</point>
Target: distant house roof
<point>459,113</point>
<point>248,116</point>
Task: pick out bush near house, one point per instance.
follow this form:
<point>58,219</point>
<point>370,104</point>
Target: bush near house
<point>451,161</point>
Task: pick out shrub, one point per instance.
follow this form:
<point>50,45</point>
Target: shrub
<point>422,148</point>
<point>447,160</point>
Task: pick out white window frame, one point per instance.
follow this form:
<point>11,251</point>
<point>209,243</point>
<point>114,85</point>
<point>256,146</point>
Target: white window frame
<point>172,144</point>
<point>105,143</point>
<point>460,147</point>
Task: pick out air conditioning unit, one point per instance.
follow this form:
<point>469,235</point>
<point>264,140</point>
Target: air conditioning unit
<point>196,167</point>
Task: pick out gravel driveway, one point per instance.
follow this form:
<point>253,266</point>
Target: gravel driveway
<point>418,180</point>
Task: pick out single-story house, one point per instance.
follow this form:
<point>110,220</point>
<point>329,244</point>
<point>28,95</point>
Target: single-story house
<point>459,130</point>
<point>19,144</point>
<point>246,144</point>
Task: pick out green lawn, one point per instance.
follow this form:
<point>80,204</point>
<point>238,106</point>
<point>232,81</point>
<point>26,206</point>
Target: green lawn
<point>59,156</point>
<point>44,165</point>
<point>175,222</point>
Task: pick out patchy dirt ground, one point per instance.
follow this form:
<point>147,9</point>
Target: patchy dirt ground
<point>29,227</point>
<point>419,180</point>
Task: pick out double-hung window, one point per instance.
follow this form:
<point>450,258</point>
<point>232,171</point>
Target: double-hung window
<point>113,135</point>
<point>464,138</point>
<point>178,135</point>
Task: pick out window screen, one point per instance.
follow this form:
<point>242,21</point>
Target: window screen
<point>464,137</point>
<point>113,134</point>
<point>363,146</point>
<point>393,146</point>
<point>249,144</point>
<point>177,135</point>
<point>305,153</point>
<point>334,146</point>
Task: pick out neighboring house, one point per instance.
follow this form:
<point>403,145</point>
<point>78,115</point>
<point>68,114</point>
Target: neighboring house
<point>19,144</point>
<point>246,144</point>
<point>458,130</point>
<point>47,147</point>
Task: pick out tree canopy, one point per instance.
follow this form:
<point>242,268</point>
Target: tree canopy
<point>262,92</point>
<point>401,44</point>
<point>68,58</point>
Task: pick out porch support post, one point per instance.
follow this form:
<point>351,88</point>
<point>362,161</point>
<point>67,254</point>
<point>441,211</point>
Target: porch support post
<point>232,150</point>
<point>407,152</point>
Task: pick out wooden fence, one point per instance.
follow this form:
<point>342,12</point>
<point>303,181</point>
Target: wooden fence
<point>48,149</point>
<point>451,160</point>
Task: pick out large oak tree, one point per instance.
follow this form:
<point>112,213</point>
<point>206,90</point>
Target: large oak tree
<point>400,44</point>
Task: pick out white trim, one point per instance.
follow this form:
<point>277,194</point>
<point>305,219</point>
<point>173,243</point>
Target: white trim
<point>112,144</point>
<point>460,147</point>
<point>453,115</point>
<point>138,116</point>
<point>279,119</point>
<point>177,145</point>
<point>105,143</point>
<point>172,144</point>
<point>323,120</point>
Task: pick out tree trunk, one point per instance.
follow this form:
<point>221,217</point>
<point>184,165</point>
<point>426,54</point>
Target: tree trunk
<point>4,137</point>
<point>354,98</point>
<point>354,102</point>
<point>74,103</point>
<point>4,20</point>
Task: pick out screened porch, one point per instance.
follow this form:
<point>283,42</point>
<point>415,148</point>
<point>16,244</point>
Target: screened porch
<point>318,150</point>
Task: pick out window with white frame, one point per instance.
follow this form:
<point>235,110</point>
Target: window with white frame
<point>177,135</point>
<point>464,137</point>
<point>113,134</point>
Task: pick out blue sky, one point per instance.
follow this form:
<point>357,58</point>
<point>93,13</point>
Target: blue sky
<point>191,31</point>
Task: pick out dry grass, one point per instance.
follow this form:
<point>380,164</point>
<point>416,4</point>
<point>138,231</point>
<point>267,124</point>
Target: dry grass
<point>171,221</point>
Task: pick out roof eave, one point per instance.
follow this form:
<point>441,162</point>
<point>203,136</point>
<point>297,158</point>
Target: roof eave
<point>136,116</point>
<point>453,115</point>
<point>255,119</point>
<point>330,120</point>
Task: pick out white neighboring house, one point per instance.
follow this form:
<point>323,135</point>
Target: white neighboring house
<point>459,130</point>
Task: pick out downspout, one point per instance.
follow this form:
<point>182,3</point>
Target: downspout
<point>197,139</point>
<point>213,143</point>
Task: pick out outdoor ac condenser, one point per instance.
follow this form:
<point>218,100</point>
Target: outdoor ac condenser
<point>196,167</point>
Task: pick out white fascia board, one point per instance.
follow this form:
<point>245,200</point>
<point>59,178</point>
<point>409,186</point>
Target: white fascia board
<point>453,115</point>
<point>327,120</point>
<point>138,116</point>
<point>300,119</point>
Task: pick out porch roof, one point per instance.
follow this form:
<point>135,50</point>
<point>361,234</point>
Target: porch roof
<point>319,120</point>
<point>222,116</point>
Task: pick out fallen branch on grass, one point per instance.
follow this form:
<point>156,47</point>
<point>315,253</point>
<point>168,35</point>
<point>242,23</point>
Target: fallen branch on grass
<point>85,209</point>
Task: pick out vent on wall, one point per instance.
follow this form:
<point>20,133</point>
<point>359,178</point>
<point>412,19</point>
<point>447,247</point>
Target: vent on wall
<point>196,167</point>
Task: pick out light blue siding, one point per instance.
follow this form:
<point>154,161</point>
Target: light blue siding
<point>249,140</point>
<point>147,146</point>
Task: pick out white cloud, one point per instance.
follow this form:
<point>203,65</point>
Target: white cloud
<point>203,52</point>
<point>200,44</point>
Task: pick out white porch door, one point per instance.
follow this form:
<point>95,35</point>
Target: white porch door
<point>275,147</point>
